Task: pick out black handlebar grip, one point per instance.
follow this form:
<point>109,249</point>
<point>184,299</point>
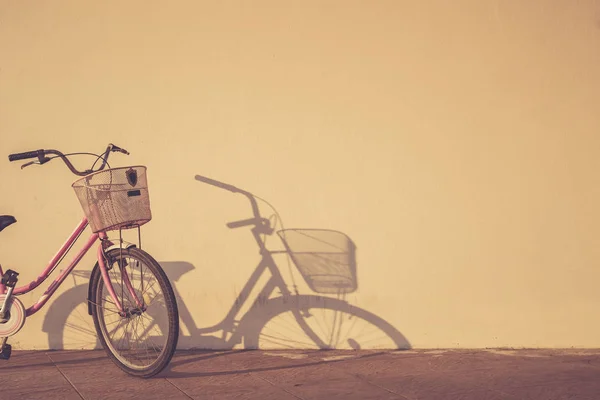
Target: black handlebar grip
<point>119,149</point>
<point>217,183</point>
<point>25,155</point>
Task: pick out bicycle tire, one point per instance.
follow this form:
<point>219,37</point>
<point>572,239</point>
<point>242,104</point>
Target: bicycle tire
<point>116,257</point>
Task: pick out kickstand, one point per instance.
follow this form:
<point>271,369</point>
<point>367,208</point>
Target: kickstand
<point>5,349</point>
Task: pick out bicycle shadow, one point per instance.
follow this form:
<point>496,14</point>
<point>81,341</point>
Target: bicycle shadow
<point>276,318</point>
<point>69,327</point>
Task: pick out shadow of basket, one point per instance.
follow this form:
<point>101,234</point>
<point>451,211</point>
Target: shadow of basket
<point>326,259</point>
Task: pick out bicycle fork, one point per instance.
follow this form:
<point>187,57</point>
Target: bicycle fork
<point>124,312</point>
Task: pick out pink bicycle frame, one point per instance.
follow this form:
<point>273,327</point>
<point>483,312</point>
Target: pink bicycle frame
<point>61,278</point>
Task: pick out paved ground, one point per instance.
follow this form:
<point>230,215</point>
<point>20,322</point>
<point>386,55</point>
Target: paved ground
<point>481,375</point>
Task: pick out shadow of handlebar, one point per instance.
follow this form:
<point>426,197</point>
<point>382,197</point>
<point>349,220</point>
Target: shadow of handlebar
<point>218,184</point>
<point>233,189</point>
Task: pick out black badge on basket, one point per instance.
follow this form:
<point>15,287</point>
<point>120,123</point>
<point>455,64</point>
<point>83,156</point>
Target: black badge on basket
<point>131,176</point>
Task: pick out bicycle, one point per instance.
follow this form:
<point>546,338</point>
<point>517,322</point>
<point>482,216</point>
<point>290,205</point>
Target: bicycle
<point>277,317</point>
<point>121,294</point>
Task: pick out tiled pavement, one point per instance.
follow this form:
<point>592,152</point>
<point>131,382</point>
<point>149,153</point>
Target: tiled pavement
<point>410,374</point>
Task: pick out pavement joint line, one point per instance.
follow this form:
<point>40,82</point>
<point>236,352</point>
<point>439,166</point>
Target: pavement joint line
<point>381,387</point>
<point>178,388</point>
<point>256,376</point>
<point>332,366</point>
<point>277,386</point>
<point>65,376</point>
<point>591,364</point>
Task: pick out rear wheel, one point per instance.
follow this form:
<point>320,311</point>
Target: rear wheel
<point>142,339</point>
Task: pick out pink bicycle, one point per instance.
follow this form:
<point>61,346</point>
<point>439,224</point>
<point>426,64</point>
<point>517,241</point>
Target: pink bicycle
<point>129,298</point>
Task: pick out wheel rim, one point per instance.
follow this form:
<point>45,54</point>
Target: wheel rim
<point>139,338</point>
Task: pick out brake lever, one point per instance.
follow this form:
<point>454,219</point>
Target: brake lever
<point>40,161</point>
<point>29,163</point>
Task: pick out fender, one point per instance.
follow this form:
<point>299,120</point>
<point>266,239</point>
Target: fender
<point>126,245</point>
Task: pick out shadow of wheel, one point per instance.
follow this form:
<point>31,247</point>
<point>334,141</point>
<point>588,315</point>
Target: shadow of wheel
<point>68,324</point>
<point>315,322</point>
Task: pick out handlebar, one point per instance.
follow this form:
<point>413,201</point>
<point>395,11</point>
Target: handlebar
<point>41,155</point>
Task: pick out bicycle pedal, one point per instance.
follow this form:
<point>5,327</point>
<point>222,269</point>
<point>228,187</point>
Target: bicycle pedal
<point>6,352</point>
<point>9,279</point>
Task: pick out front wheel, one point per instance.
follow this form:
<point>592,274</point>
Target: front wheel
<point>142,338</point>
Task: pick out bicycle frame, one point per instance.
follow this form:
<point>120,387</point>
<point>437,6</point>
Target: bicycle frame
<point>63,275</point>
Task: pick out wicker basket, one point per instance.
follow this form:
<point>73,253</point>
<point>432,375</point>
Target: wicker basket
<point>115,198</point>
<point>326,259</point>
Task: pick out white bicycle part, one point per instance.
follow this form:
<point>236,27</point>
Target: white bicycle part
<point>16,318</point>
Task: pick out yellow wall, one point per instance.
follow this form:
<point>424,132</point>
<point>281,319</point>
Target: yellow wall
<point>455,142</point>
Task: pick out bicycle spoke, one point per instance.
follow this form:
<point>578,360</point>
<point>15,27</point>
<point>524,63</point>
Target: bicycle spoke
<point>135,335</point>
<point>154,328</point>
<point>149,342</point>
<point>148,287</point>
<point>114,331</point>
<point>151,301</point>
<point>104,308</point>
<point>124,334</point>
<point>118,321</point>
<point>156,349</point>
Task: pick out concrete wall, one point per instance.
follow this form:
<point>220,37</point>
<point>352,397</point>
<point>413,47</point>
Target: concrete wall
<point>456,143</point>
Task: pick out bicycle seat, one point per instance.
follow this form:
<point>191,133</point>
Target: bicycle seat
<point>6,220</point>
